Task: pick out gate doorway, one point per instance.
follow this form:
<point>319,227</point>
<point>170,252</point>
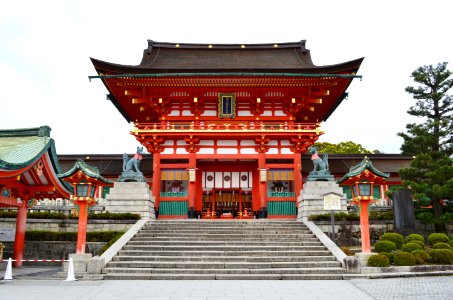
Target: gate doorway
<point>227,204</point>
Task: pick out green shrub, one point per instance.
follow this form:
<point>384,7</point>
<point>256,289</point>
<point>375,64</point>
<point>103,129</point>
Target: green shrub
<point>381,215</point>
<point>415,237</point>
<point>378,260</point>
<point>435,238</point>
<point>425,217</point>
<point>409,247</point>
<point>390,256</point>
<point>94,236</point>
<point>404,259</point>
<point>114,216</point>
<point>421,257</point>
<point>110,242</point>
<point>396,238</point>
<point>8,214</point>
<point>384,246</point>
<point>347,251</point>
<point>441,256</point>
<point>442,246</point>
<point>419,243</point>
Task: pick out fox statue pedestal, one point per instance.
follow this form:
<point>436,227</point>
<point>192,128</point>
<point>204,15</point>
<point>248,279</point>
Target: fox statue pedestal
<point>130,197</point>
<point>311,200</point>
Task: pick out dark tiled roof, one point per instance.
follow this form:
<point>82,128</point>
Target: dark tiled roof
<point>173,57</point>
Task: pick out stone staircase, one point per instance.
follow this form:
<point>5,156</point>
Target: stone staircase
<point>258,249</point>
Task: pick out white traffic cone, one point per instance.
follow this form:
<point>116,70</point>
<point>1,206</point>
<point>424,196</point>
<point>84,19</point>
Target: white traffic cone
<point>9,270</point>
<point>71,276</point>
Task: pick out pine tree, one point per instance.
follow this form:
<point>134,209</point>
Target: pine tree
<point>435,106</point>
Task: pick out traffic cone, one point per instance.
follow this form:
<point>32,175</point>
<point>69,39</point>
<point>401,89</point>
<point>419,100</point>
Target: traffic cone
<point>71,276</point>
<point>9,270</point>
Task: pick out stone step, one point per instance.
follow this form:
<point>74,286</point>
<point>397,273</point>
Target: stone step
<point>227,271</point>
<point>228,235</point>
<point>223,265</point>
<point>224,253</point>
<point>224,240</point>
<point>135,241</point>
<point>226,231</point>
<point>222,248</point>
<point>224,258</point>
<point>121,276</point>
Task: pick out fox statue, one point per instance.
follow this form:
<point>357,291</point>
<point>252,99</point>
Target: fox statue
<point>133,164</point>
<point>320,166</point>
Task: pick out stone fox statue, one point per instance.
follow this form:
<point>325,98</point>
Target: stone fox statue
<point>320,166</point>
<point>134,162</point>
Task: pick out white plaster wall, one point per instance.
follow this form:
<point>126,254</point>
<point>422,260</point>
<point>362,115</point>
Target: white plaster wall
<point>227,151</point>
<point>168,151</point>
<point>209,113</point>
<point>248,151</point>
<point>174,113</point>
<point>286,151</point>
<point>227,143</point>
<point>186,113</point>
<point>279,113</point>
<point>244,113</point>
<point>206,151</point>
<point>206,143</point>
<point>181,151</point>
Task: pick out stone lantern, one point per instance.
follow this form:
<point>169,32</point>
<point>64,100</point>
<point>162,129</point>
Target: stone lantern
<point>362,179</point>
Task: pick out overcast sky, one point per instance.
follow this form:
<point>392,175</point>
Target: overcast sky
<point>45,48</point>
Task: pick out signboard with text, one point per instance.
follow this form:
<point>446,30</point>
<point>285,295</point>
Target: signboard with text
<point>7,234</point>
<point>332,202</point>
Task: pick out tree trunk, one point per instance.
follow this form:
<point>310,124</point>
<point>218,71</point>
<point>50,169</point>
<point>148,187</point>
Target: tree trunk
<point>437,212</point>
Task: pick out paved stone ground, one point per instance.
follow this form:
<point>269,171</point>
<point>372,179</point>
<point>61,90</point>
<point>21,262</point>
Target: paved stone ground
<point>433,288</point>
<point>34,283</point>
<point>176,290</point>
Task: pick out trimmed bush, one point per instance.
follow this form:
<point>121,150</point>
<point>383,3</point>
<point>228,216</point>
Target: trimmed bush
<point>384,246</point>
<point>442,246</point>
<point>347,251</point>
<point>435,238</point>
<point>396,238</point>
<point>409,247</point>
<point>415,237</point>
<point>419,243</point>
<point>404,259</point>
<point>110,242</point>
<point>94,236</point>
<point>378,260</point>
<point>441,256</point>
<point>390,256</point>
<point>421,257</point>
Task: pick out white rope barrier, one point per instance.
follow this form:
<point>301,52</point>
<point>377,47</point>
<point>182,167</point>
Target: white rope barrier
<point>9,267</point>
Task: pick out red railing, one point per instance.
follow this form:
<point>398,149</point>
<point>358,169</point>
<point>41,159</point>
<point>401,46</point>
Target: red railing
<point>227,126</point>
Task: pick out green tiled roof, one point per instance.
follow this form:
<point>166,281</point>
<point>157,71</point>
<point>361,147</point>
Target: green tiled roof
<point>89,170</point>
<point>21,147</point>
<point>362,166</point>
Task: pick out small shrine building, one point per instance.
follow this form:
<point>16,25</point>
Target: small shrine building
<point>226,124</point>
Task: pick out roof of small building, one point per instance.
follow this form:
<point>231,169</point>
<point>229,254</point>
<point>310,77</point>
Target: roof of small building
<point>20,147</point>
<point>87,169</point>
<point>275,57</point>
<point>365,164</point>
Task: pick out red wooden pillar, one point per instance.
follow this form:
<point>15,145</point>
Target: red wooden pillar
<point>192,186</point>
<point>156,178</point>
<point>21,224</point>
<point>262,186</point>
<point>297,174</point>
<point>82,229</point>
<point>364,226</point>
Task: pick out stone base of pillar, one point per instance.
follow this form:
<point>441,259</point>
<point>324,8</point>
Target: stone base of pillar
<point>80,262</point>
<point>192,213</point>
<point>262,213</point>
<point>311,200</point>
<point>130,197</point>
<point>363,258</point>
